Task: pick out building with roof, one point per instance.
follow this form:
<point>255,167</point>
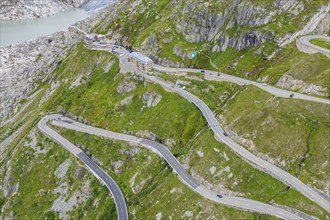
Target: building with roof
<point>141,61</point>
<point>91,38</point>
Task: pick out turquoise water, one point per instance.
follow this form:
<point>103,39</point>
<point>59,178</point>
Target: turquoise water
<point>12,32</point>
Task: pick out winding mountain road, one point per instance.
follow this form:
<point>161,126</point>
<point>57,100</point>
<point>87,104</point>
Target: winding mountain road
<point>161,150</point>
<point>240,203</point>
<point>267,167</point>
<point>240,150</point>
<point>229,78</point>
<point>304,44</point>
<point>92,166</point>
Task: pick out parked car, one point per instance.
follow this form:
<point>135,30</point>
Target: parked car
<point>291,95</point>
<point>224,133</point>
<point>202,71</point>
<point>220,196</point>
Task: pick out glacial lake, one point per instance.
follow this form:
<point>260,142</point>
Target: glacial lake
<point>12,32</point>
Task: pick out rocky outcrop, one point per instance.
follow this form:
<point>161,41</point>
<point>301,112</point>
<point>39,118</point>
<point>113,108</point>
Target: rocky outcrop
<point>22,9</point>
<point>22,65</point>
<point>165,62</point>
<point>290,83</point>
<point>313,23</point>
<point>198,24</point>
<point>126,87</point>
<point>127,100</point>
<point>169,142</point>
<point>116,165</point>
<point>249,144</point>
<point>69,199</point>
<point>216,26</point>
<point>151,99</point>
<point>62,169</point>
<point>144,134</point>
<point>324,26</point>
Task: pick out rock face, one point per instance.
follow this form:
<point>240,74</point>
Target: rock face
<point>220,25</point>
<point>205,26</point>
<point>250,145</point>
<point>116,165</point>
<point>126,87</point>
<point>323,26</point>
<point>151,99</point>
<point>290,83</point>
<point>22,9</point>
<point>22,65</point>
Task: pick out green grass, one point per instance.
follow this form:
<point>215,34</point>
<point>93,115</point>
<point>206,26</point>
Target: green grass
<point>156,178</point>
<point>284,129</point>
<point>310,68</point>
<point>27,168</point>
<point>214,94</point>
<point>248,104</point>
<point>321,43</point>
<point>28,202</point>
<point>37,182</point>
<point>99,102</point>
<point>242,177</point>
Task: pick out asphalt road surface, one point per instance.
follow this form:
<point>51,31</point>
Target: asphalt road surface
<point>229,78</point>
<point>306,41</point>
<point>92,166</point>
<point>236,202</point>
<point>273,170</point>
<point>266,166</point>
<point>215,75</point>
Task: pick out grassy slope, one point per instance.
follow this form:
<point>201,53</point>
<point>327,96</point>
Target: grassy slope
<point>311,68</point>
<point>95,97</point>
<point>82,61</point>
<point>286,129</point>
<point>155,178</point>
<point>280,128</point>
<point>247,105</point>
<point>98,101</point>
<point>37,182</point>
<point>79,61</point>
<point>182,120</point>
<point>242,177</point>
<point>321,43</point>
<point>173,117</point>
